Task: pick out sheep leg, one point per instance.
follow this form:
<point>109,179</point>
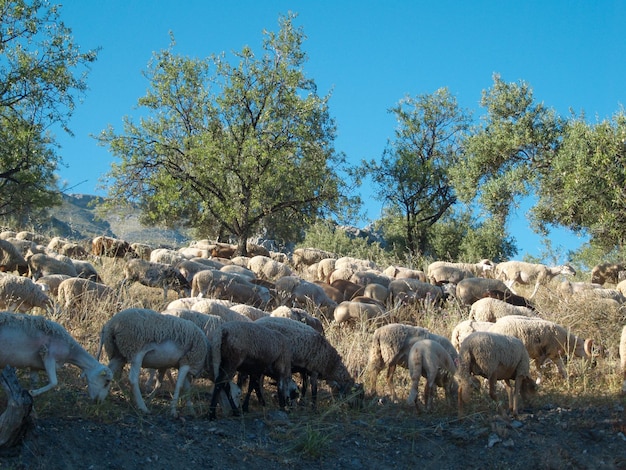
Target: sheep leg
<point>181,382</point>
<point>133,378</point>
<point>535,290</point>
<point>51,370</point>
<point>391,369</point>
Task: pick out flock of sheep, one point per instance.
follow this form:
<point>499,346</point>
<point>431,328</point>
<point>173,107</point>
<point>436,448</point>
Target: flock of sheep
<point>247,318</point>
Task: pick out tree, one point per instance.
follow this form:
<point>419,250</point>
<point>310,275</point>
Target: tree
<point>42,74</point>
<point>230,147</point>
<point>412,176</point>
<point>509,153</point>
<point>585,189</point>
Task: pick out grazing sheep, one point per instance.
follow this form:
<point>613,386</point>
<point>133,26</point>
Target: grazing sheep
<point>324,268</point>
<point>194,252</point>
<point>429,359</point>
<point>490,309</point>
<point>622,355</point>
<point>253,313</point>
<point>189,268</point>
<point>601,293</point>
<point>390,347</point>
<point>607,272</point>
<point>527,273</point>
<point>510,298</point>
<point>332,292</point>
<point>303,257</point>
<point>350,289</point>
<point>254,349</point>
<point>313,356</point>
<point>41,264</point>
<point>204,282</point>
<point>209,306</point>
<point>166,256</point>
<point>296,292</point>
<point>146,338</point>
<point>377,292</point>
<point>30,341</point>
<point>364,278</point>
<point>440,272</point>
<point>32,236</point>
<point>142,250</point>
<point>265,267</point>
<point>51,282</point>
<point>463,329</point>
<point>471,289</point>
<point>223,250</point>
<point>11,259</point>
<point>495,357</point>
<point>111,247</point>
<point>66,247</point>
<point>86,270</point>
<point>350,310</point>
<point>75,292</point>
<point>18,293</point>
<point>568,288</point>
<point>241,293</point>
<point>399,272</point>
<point>416,290</point>
<point>150,274</point>
<point>355,264</point>
<point>299,315</point>
<point>544,340</point>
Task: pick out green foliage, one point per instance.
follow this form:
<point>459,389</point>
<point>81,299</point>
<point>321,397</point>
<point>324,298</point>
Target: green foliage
<point>42,73</point>
<point>248,144</point>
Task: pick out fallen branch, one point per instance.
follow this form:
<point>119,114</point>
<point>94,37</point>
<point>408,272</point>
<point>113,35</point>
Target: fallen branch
<point>14,421</point>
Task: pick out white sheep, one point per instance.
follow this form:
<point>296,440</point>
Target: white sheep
<point>303,257</point>
<point>86,270</point>
<point>145,338</point>
<point>463,329</point>
<point>51,282</point>
<point>521,272</point>
<point>217,307</point>
<point>166,256</point>
<point>622,355</point>
<point>495,357</point>
<point>41,264</point>
<point>253,349</point>
<point>363,278</point>
<point>400,272</point>
<point>296,292</point>
<point>299,315</point>
<point>607,272</point>
<point>11,259</point>
<point>351,310</point>
<point>152,274</point>
<point>314,357</point>
<point>253,313</point>
<point>544,340</point>
<point>490,309</point>
<point>428,359</point>
<point>439,272</point>
<point>390,347</point>
<point>471,289</point>
<point>324,268</point>
<point>417,290</point>
<point>265,267</point>
<point>30,341</point>
<point>18,293</point>
<point>569,288</point>
<point>75,292</point>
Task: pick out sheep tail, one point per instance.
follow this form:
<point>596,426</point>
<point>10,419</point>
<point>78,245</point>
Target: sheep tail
<point>101,344</point>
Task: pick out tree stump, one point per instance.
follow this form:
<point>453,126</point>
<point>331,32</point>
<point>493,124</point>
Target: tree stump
<point>15,421</point>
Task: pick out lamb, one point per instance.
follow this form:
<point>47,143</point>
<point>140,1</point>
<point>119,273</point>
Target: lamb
<point>299,315</point>
<point>11,259</point>
<point>490,309</point>
<point>313,356</point>
<point>622,355</point>
<point>75,292</point>
<point>30,341</point>
<point>145,338</point>
<point>265,267</point>
<point>152,274</point>
<point>495,357</point>
<point>544,340</point>
<point>471,289</point>
<point>526,273</point>
<point>41,264</point>
<point>18,293</point>
<point>607,272</point>
<point>429,359</point>
<point>254,349</point>
<point>350,310</point>
<point>463,329</point>
<point>390,347</point>
<point>448,272</point>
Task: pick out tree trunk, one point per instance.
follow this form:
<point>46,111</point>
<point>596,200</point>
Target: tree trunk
<point>14,422</point>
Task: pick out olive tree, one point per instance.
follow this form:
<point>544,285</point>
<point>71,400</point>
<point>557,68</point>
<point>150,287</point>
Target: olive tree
<point>42,75</point>
<point>227,147</point>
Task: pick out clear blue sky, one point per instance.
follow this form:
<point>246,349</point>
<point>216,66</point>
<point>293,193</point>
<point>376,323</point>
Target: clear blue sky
<point>369,53</point>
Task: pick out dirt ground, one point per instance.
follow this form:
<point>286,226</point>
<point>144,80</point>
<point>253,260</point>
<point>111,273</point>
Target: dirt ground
<point>382,435</point>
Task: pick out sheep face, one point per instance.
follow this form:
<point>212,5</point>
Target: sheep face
<point>98,383</point>
<point>352,393</point>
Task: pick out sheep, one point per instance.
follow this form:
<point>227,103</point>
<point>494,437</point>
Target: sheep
<point>399,272</point>
<point>18,293</point>
<point>355,264</point>
<point>253,313</point>
<point>32,236</point>
<point>377,292</point>
<point>30,341</point>
<point>350,289</point>
<point>205,281</point>
<point>111,247</point>
<point>416,290</point>
<point>254,349</point>
<point>146,338</point>
<point>622,355</point>
<point>510,298</point>
<point>390,347</point>
<point>166,256</point>
<point>51,282</point>
<point>152,274</point>
<point>448,272</point>
<point>350,310</point>
<point>11,259</point>
<point>429,359</point>
<point>490,309</point>
<point>142,250</point>
<point>189,268</point>
<point>303,257</point>
<point>471,289</point>
<point>86,270</point>
<point>75,292</point>
<point>265,267</point>
<point>324,268</point>
<point>601,293</point>
<point>299,315</point>
<point>544,340</point>
<point>520,272</point>
<point>193,252</point>
<point>364,278</point>
<point>295,291</point>
<point>209,306</point>
<point>495,357</point>
<point>332,292</point>
<point>607,272</point>
<point>237,292</point>
<point>238,269</point>
<point>67,248</point>
<point>463,329</point>
<point>41,264</point>
<point>314,357</point>
<point>568,288</point>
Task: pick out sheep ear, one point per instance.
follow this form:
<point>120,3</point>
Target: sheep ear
<point>588,347</point>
